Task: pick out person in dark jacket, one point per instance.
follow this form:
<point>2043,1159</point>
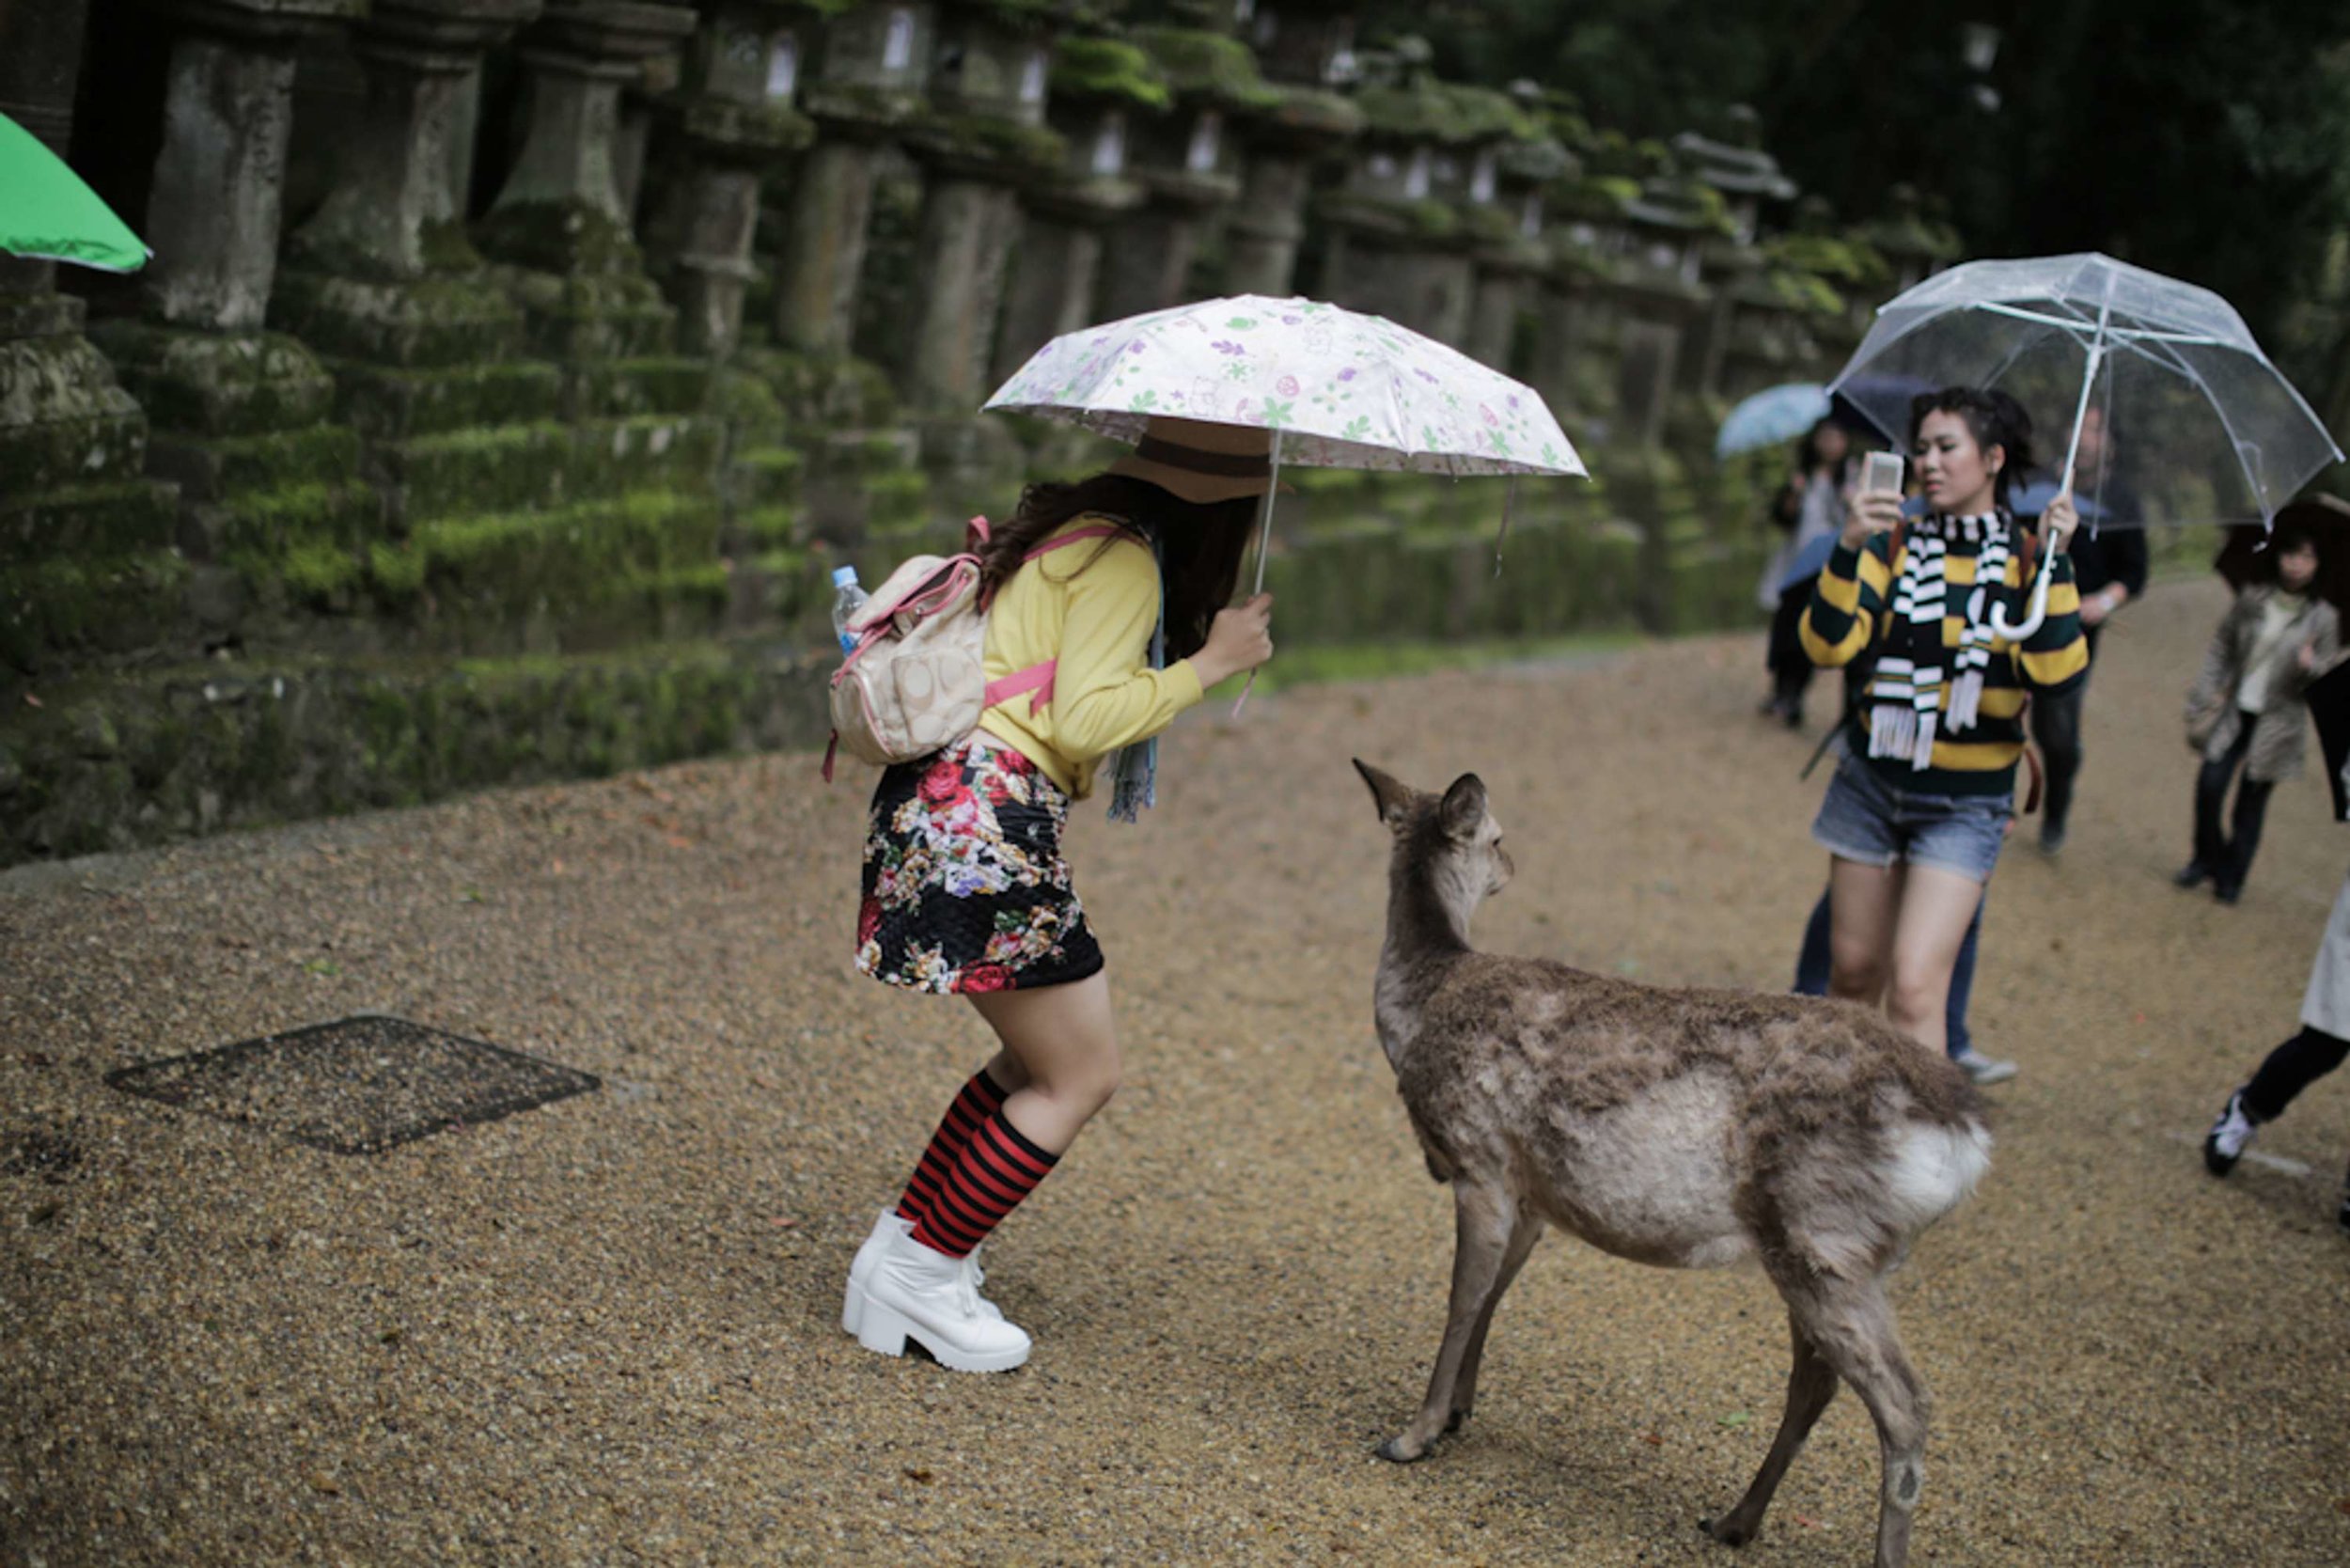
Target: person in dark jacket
<point>2110,568</point>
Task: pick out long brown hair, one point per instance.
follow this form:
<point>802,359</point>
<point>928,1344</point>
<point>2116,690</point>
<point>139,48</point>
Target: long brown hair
<point>1200,546</point>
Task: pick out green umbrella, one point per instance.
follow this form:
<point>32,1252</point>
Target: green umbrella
<point>48,215</point>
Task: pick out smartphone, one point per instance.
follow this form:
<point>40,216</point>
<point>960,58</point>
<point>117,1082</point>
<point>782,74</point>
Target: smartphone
<point>1881,473</point>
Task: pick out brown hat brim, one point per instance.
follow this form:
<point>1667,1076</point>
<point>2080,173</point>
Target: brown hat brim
<point>1187,484</point>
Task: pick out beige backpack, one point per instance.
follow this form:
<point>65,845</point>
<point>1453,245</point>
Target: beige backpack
<point>915,680</point>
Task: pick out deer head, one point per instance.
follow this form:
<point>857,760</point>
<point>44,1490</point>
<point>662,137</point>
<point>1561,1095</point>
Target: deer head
<point>1446,847</point>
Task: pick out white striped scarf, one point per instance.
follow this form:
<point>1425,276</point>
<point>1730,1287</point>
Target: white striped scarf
<point>1906,692</point>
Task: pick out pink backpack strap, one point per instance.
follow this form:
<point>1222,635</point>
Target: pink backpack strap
<point>1036,678</point>
<point>975,533</point>
<point>1039,678</point>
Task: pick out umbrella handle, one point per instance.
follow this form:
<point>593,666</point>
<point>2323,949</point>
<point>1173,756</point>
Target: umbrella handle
<point>1264,544</point>
<point>2039,611</point>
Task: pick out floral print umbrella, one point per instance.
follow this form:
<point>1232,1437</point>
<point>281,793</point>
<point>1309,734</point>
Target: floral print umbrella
<point>1340,389</point>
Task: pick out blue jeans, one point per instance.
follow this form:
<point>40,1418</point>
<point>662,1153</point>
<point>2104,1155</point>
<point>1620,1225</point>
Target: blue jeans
<point>1812,968</point>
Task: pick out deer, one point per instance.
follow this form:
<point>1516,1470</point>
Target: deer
<point>1679,1127</point>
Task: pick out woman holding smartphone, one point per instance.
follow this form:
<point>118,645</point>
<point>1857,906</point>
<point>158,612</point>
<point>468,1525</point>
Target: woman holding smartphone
<point>1924,786</point>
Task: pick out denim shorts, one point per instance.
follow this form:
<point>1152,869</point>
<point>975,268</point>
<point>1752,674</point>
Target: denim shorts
<point>1871,822</point>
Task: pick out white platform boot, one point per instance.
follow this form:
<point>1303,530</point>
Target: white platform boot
<point>915,1293</point>
<point>892,1224</point>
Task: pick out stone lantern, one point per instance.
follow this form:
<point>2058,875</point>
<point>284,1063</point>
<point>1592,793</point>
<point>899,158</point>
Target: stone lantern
<point>1100,88</point>
<point>241,412</point>
<point>871,64</point>
<point>983,144</point>
<point>1912,243</point>
<point>559,218</point>
<point>1744,178</point>
<point>730,119</point>
<point>1308,53</point>
<point>1187,159</point>
<point>1506,182</point>
<point>383,281</point>
<point>1575,338</point>
<point>86,550</point>
<point>1658,289</point>
<point>1396,246</point>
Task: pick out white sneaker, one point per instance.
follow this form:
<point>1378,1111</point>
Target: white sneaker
<point>915,1292</point>
<point>2229,1136</point>
<point>892,1224</point>
<point>1982,1069</point>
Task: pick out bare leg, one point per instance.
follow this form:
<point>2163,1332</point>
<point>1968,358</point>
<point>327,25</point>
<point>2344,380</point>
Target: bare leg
<point>1852,1324</point>
<point>1811,1386</point>
<point>1522,1240</point>
<point>1863,902</point>
<point>1936,910</point>
<point>1485,1218</point>
<point>1065,1045</point>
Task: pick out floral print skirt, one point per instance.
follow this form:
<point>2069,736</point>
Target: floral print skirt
<point>965,888</point>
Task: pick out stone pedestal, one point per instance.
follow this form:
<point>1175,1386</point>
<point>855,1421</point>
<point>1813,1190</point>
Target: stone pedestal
<point>87,564</point>
<point>425,348</point>
<point>867,86</point>
<point>982,144</point>
<point>1187,159</point>
<point>731,121</point>
<point>241,415</point>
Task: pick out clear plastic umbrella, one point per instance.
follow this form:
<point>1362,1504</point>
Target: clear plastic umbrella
<point>2203,428</point>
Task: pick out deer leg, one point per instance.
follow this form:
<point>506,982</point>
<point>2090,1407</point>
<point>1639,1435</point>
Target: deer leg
<point>1522,1239</point>
<point>1810,1387</point>
<point>1484,1218</point>
<point>1854,1328</point>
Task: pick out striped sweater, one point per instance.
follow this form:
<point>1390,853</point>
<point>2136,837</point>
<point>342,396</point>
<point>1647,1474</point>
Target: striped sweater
<point>1847,619</point>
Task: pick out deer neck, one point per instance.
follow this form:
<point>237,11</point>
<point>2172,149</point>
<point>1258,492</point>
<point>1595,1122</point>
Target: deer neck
<point>1427,934</point>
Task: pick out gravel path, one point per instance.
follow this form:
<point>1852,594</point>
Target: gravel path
<point>605,1332</point>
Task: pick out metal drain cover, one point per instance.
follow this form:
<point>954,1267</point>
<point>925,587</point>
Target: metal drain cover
<point>357,1086</point>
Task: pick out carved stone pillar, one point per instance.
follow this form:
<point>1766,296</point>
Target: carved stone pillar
<point>87,556</point>
<point>1099,86</point>
<point>982,142</point>
<point>729,122</point>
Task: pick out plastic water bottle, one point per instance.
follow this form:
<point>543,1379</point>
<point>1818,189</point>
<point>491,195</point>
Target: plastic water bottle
<point>846,598</point>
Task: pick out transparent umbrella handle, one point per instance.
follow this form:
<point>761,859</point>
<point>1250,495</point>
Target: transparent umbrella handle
<point>2038,613</point>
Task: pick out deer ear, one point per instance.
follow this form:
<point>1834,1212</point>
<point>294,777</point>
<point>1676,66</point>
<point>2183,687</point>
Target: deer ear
<point>1463,807</point>
<point>1393,796</point>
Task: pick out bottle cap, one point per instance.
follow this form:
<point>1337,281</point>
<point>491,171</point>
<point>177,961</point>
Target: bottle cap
<point>844,576</point>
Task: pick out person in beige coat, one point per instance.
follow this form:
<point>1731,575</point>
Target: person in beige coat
<point>2246,711</point>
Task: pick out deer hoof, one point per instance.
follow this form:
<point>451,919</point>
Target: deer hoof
<point>1459,1419</point>
<point>1725,1532</point>
<point>1397,1450</point>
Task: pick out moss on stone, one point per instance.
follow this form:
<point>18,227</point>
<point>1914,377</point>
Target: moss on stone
<point>1208,67</point>
<point>389,403</point>
<point>470,471</point>
<point>69,606</point>
<point>123,518</point>
<point>434,320</point>
<point>1108,69</point>
<point>217,383</point>
<point>987,141</point>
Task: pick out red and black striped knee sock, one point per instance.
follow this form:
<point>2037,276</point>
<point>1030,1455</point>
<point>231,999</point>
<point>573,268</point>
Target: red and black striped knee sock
<point>977,1099</point>
<point>995,1170</point>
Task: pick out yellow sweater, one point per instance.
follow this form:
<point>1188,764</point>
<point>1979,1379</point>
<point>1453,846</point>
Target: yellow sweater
<point>1091,606</point>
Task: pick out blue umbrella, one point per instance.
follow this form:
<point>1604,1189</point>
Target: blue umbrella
<point>1808,561</point>
<point>1772,417</point>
